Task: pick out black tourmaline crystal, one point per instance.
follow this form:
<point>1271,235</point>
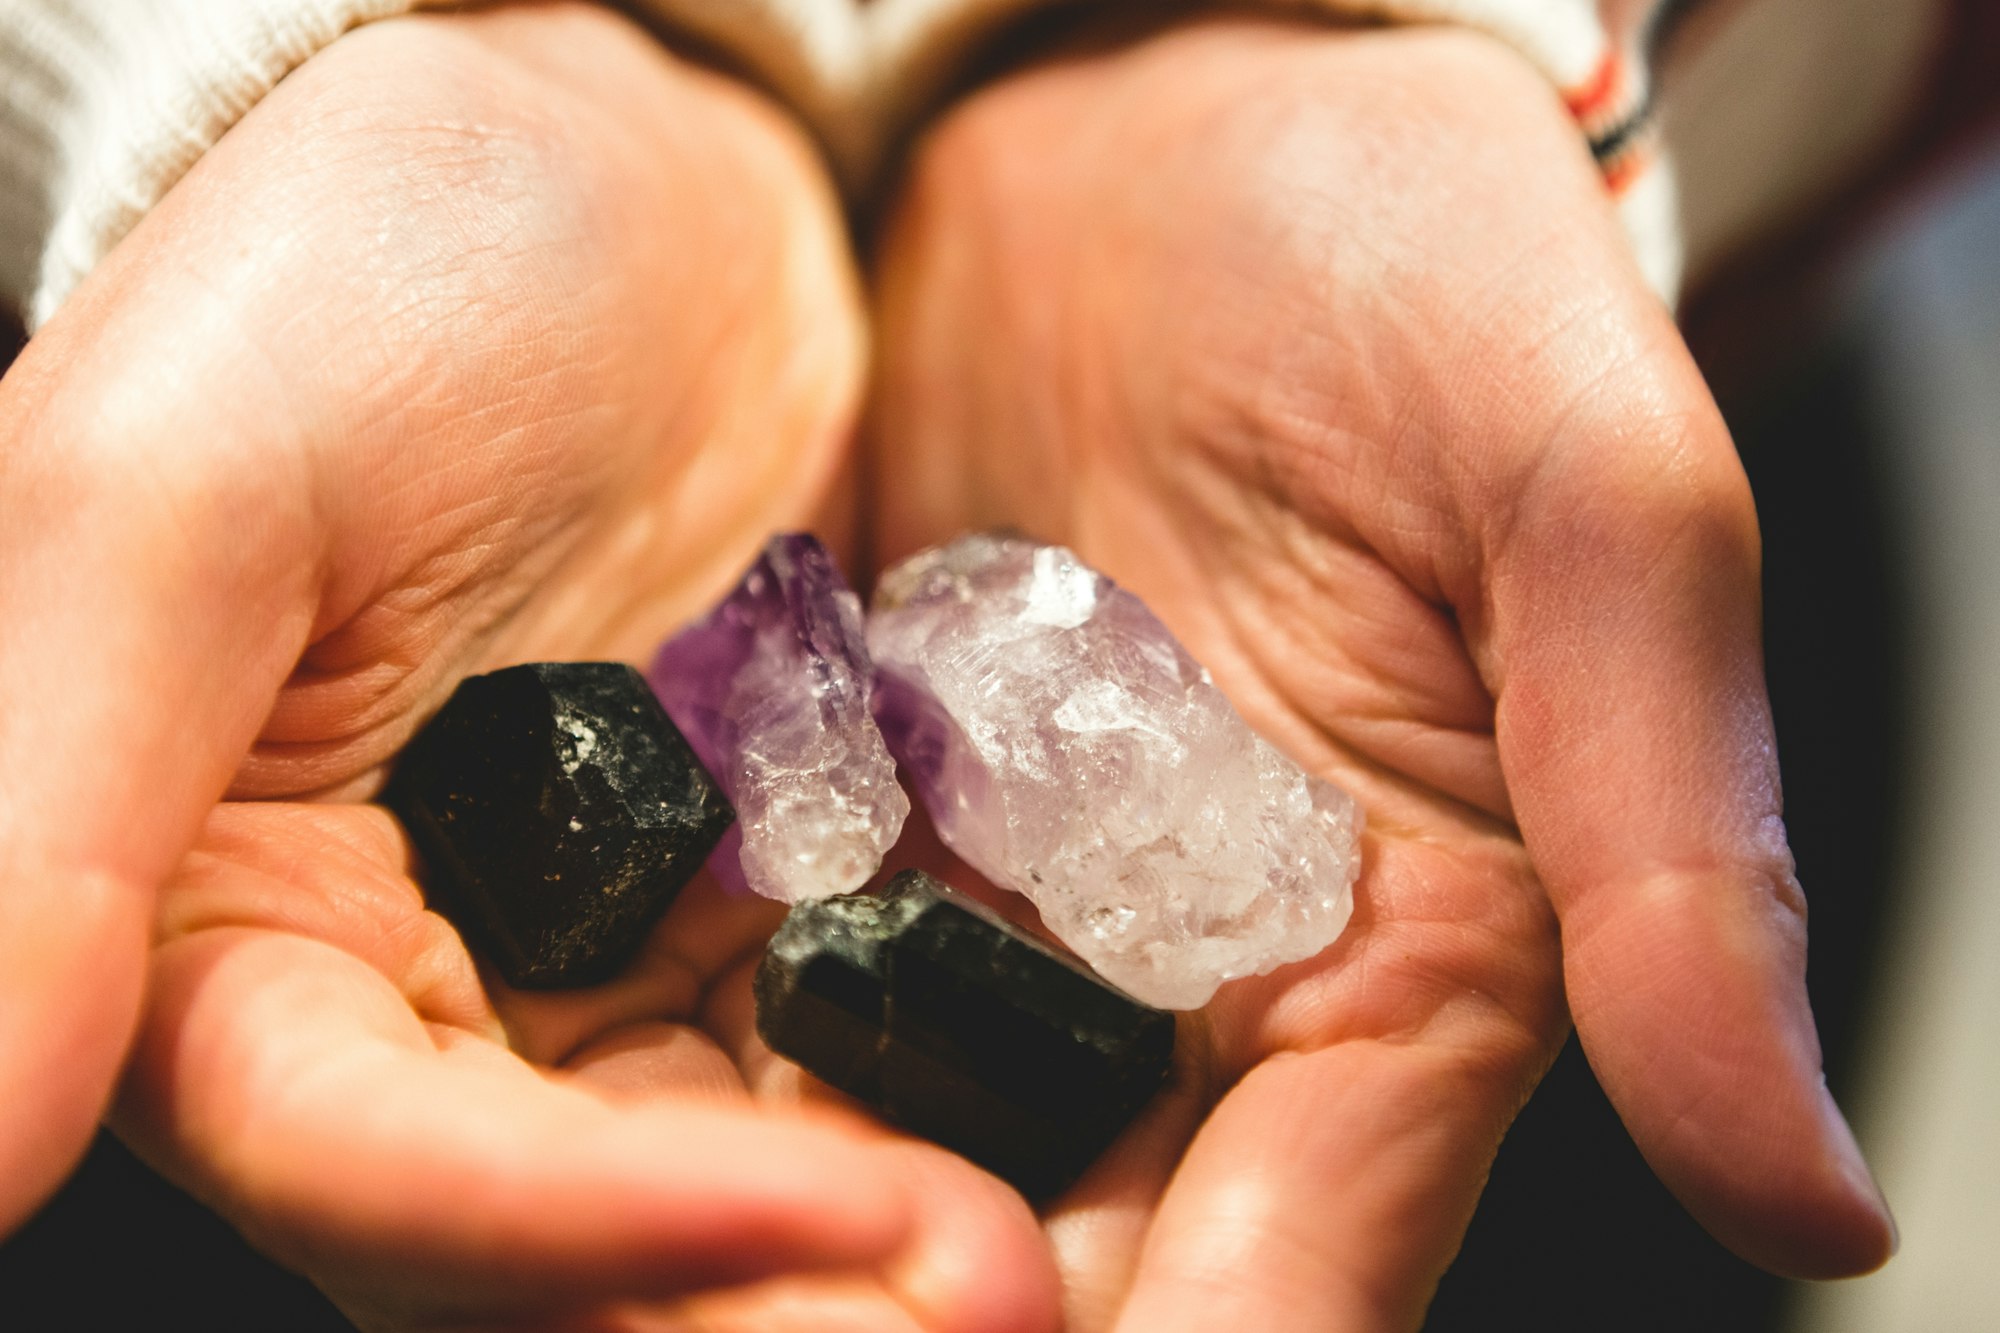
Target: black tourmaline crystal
<point>962,1028</point>
<point>559,813</point>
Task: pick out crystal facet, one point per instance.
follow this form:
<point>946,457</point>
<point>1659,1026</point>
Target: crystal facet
<point>771,689</point>
<point>558,813</point>
<point>961,1027</point>
<point>1069,748</point>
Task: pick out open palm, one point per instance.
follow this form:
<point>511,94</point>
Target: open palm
<point>1328,346</point>
<point>482,339</point>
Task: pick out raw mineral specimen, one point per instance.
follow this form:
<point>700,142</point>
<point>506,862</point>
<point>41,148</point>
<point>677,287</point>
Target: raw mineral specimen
<point>559,813</point>
<point>961,1027</point>
<point>772,691</point>
<point>1070,749</point>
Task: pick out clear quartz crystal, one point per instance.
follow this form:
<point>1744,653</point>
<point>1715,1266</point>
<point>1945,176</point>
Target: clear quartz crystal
<point>771,689</point>
<point>1070,749</point>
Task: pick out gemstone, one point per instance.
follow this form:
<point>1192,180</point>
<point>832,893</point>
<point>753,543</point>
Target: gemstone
<point>772,689</point>
<point>1069,748</point>
<point>962,1028</point>
<point>558,813</point>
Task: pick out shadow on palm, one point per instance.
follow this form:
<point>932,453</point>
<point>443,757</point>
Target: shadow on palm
<point>467,406</point>
<point>1402,450</point>
<point>1328,346</point>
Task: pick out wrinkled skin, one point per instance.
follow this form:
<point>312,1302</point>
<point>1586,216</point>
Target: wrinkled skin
<point>482,339</point>
<point>1328,345</point>
<point>505,337</point>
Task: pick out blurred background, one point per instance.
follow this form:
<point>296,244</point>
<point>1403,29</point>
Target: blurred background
<point>1858,362</point>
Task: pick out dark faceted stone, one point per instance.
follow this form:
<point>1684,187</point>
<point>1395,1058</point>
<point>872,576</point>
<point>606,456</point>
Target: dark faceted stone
<point>559,813</point>
<point>962,1027</point>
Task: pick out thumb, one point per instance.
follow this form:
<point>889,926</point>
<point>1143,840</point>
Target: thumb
<point>1622,632</point>
<point>154,594</point>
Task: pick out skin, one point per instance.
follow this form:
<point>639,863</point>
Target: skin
<point>1329,346</point>
<point>480,340</point>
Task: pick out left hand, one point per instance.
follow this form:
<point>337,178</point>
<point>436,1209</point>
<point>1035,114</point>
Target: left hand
<point>1327,343</point>
<point>486,337</point>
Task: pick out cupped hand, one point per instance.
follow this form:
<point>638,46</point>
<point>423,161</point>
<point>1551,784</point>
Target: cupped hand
<point>482,339</point>
<point>1327,344</point>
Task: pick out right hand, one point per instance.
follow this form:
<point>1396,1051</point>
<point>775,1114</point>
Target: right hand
<point>482,339</point>
<point>1327,343</point>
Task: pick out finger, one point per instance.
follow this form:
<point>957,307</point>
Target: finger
<point>149,626</point>
<point>1098,1227</point>
<point>976,1266</point>
<point>919,1293</point>
<point>982,1266</point>
<point>273,877</point>
<point>292,1087</point>
<point>980,1261</point>
<point>1623,642</point>
<point>1326,1190</point>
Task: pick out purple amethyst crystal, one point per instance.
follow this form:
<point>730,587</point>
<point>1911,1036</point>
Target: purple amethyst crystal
<point>771,689</point>
<point>1069,748</point>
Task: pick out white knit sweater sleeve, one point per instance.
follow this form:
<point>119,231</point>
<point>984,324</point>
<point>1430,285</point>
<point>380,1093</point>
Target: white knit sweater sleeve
<point>105,104</point>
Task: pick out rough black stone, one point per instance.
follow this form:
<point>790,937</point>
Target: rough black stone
<point>962,1028</point>
<point>559,813</point>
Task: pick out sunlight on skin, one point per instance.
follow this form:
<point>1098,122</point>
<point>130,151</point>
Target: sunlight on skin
<point>324,1063</point>
<point>1373,410</point>
<point>1327,345</point>
<point>522,360</point>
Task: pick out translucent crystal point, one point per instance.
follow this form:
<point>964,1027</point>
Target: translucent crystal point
<point>771,689</point>
<point>1070,749</point>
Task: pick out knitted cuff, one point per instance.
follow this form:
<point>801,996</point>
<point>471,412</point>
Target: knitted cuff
<point>104,106</point>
